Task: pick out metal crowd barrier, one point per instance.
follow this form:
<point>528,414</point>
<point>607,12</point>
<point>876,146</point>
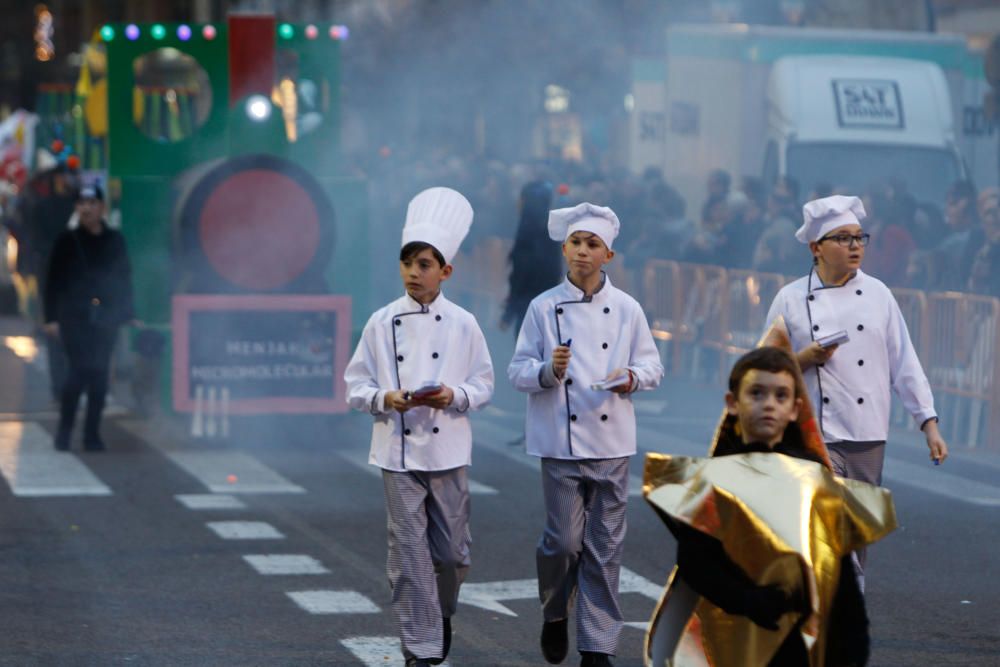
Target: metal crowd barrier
<point>962,361</point>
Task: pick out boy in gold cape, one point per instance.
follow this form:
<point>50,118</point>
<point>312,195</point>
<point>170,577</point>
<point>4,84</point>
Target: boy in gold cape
<point>764,534</point>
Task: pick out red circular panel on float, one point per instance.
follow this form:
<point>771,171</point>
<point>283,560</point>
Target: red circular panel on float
<point>259,229</point>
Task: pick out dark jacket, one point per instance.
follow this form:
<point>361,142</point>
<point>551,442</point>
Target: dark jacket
<point>85,267</point>
<point>535,260</point>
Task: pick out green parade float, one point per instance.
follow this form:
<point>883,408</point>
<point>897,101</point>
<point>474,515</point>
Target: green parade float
<point>225,169</point>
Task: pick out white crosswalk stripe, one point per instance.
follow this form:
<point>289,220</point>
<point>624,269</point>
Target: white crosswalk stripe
<point>278,564</point>
<point>231,472</point>
<point>221,471</point>
<point>244,530</point>
<point>334,602</point>
<point>375,651</point>
<point>34,468</point>
<point>490,595</point>
<point>210,501</point>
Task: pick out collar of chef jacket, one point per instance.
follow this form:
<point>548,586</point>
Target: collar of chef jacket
<point>574,293</point>
<point>815,283</point>
<point>436,306</point>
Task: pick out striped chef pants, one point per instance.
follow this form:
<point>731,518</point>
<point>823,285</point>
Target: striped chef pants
<point>861,461</point>
<point>429,542</point>
<point>580,552</point>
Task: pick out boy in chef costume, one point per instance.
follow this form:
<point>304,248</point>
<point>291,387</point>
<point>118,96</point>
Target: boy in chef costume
<point>851,382</point>
<point>583,349</point>
<point>421,365</point>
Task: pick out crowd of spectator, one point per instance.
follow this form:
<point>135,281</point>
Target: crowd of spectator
<point>742,224</point>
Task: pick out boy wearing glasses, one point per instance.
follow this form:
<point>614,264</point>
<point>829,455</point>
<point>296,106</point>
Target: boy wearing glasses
<point>852,345</point>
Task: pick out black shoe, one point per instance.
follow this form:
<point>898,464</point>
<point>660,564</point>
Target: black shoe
<point>591,659</point>
<point>94,445</point>
<point>61,441</point>
<point>555,641</point>
<point>445,645</point>
<point>418,662</point>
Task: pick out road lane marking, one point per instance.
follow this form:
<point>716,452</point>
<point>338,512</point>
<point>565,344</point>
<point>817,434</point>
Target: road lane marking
<point>276,564</point>
<point>475,488</point>
<point>489,424</point>
<point>221,471</point>
<point>210,501</point>
<point>334,602</point>
<point>244,530</point>
<point>230,472</point>
<point>632,582</point>
<point>34,468</point>
<point>490,595</point>
<point>927,478</point>
<point>375,651</point>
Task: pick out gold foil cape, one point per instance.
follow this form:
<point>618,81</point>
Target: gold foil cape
<point>782,520</point>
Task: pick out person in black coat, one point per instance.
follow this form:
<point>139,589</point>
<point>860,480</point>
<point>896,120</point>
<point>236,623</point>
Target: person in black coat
<point>535,261</point>
<point>88,296</point>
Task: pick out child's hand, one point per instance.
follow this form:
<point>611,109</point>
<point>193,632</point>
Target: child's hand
<point>622,388</point>
<point>814,355</point>
<point>398,400</point>
<point>439,400</point>
<point>560,360</point>
<point>767,604</point>
<point>935,443</point>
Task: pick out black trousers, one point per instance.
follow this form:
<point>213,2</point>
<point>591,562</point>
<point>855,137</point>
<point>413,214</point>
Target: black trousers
<point>57,365</point>
<point>88,351</point>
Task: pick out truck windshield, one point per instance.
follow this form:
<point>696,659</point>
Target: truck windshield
<point>926,172</point>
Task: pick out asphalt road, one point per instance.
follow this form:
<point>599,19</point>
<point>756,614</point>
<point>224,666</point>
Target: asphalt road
<point>268,548</point>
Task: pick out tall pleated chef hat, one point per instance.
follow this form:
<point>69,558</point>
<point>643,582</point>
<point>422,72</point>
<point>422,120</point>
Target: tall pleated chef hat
<point>440,217</point>
<point>585,217</point>
<point>822,216</point>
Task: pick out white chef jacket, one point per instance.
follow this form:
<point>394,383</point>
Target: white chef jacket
<point>406,345</point>
<point>851,391</point>
<point>569,420</point>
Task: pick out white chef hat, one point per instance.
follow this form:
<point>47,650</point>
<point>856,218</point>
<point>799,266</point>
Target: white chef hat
<point>821,216</point>
<point>440,217</point>
<point>599,220</point>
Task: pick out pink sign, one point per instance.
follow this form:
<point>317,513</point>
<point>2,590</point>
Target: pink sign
<point>274,354</point>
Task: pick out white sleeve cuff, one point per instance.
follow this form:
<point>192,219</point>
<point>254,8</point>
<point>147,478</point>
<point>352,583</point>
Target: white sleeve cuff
<point>547,376</point>
<point>378,402</point>
<point>459,400</point>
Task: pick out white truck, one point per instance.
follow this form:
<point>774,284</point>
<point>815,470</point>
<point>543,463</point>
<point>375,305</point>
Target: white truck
<point>846,108</point>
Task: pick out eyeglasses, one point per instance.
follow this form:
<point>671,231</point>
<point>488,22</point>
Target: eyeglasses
<point>844,240</point>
